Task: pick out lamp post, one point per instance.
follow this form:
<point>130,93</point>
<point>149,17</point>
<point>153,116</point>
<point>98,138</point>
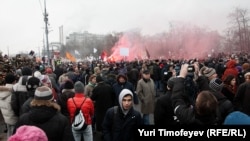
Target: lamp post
<point>46,31</point>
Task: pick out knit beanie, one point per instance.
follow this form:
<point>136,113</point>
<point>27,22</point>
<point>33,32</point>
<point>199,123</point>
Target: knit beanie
<point>33,83</point>
<point>216,84</point>
<point>43,93</point>
<point>79,87</point>
<point>237,118</point>
<point>28,133</point>
<point>206,71</point>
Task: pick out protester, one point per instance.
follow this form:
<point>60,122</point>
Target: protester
<point>164,111</point>
<point>45,114</point>
<point>146,94</point>
<point>120,123</point>
<point>29,133</point>
<point>87,110</point>
<point>202,112</point>
<point>104,98</point>
<point>9,116</point>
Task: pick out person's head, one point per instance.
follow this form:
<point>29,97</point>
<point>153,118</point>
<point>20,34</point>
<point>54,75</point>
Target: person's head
<point>170,83</point>
<point>28,133</point>
<point>230,80</point>
<point>247,77</point>
<point>121,78</point>
<point>92,79</point>
<point>216,84</point>
<point>210,73</point>
<point>97,70</point>
<point>126,100</point>
<point>10,78</point>
<point>33,83</point>
<point>206,104</point>
<point>26,71</point>
<point>79,87</point>
<point>44,97</point>
<point>146,74</point>
<point>99,79</point>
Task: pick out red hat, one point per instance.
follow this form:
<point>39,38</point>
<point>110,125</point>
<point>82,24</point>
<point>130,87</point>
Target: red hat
<point>48,70</point>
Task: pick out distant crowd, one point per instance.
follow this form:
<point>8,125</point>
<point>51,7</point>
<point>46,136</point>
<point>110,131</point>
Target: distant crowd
<point>209,91</point>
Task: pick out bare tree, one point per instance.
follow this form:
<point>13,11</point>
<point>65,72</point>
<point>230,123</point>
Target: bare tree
<point>239,28</point>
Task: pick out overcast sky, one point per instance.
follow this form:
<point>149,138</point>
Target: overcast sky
<point>22,24</point>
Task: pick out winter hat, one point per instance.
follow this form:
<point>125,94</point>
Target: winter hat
<point>49,70</point>
<point>68,84</point>
<point>246,74</point>
<point>43,93</point>
<point>26,71</point>
<point>237,118</point>
<point>28,133</point>
<point>216,84</point>
<point>38,74</point>
<point>33,83</point>
<point>146,72</point>
<point>79,87</point>
<point>206,71</point>
<point>99,79</point>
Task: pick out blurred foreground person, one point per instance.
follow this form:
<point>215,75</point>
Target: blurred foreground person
<point>45,114</point>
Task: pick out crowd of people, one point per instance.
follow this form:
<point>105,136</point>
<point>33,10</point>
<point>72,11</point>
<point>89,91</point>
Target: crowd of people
<point>212,91</point>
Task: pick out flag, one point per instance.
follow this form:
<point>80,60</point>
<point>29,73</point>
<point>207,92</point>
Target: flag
<point>70,57</point>
<point>95,50</point>
<point>77,52</point>
<point>148,55</point>
<point>103,55</point>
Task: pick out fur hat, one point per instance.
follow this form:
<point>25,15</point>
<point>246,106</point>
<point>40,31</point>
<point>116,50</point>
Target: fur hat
<point>43,93</point>
<point>216,84</point>
<point>79,87</point>
<point>206,71</point>
<point>28,133</point>
<point>33,83</point>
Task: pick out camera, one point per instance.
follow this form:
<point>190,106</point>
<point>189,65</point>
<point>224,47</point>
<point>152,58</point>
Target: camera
<point>190,68</point>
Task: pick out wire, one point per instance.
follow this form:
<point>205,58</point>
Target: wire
<point>41,7</point>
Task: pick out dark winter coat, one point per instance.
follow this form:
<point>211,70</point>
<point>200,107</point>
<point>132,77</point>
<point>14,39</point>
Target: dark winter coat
<point>50,120</point>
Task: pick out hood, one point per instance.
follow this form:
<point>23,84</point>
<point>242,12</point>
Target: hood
<point>41,114</point>
<point>231,64</point>
<point>6,91</point>
<point>121,95</point>
<point>121,75</point>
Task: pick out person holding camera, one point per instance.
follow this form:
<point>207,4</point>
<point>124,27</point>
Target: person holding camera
<point>202,112</point>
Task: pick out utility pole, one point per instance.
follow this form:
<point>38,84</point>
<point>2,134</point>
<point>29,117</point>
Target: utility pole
<point>46,31</point>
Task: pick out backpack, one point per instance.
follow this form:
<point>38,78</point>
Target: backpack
<point>78,122</point>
